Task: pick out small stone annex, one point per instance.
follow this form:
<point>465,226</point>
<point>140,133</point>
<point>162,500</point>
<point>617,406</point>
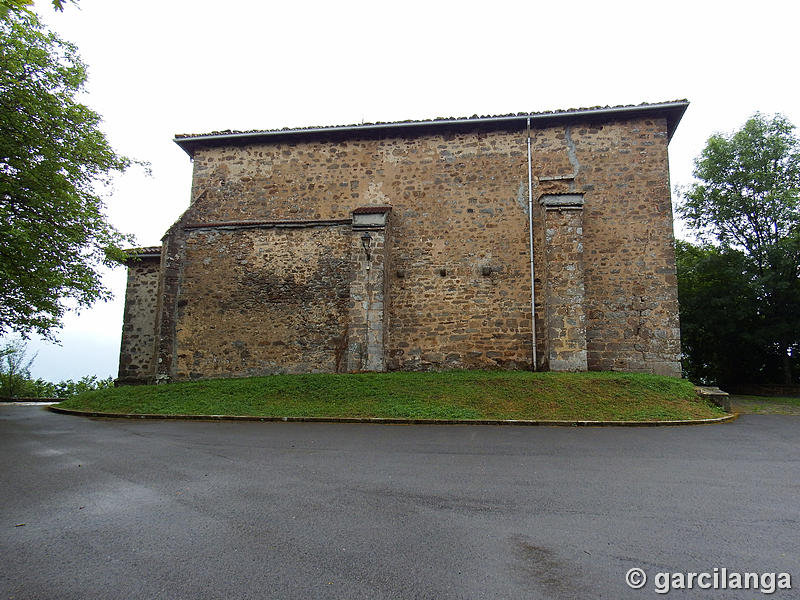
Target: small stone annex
<point>531,241</point>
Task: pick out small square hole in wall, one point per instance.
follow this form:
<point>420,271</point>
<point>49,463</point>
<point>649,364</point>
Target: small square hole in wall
<point>443,272</point>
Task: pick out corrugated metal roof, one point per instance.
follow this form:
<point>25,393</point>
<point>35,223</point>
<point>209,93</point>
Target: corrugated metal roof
<point>672,110</point>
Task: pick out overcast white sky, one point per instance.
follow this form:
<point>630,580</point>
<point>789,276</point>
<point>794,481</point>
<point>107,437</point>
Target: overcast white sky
<point>157,68</point>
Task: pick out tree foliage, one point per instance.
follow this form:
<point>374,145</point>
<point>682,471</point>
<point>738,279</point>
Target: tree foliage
<point>53,161</point>
<point>16,380</point>
<point>725,338</point>
<point>8,7</point>
<point>15,369</point>
<point>746,209</point>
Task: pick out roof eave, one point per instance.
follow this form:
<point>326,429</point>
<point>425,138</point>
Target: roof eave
<point>673,111</point>
<point>135,255</point>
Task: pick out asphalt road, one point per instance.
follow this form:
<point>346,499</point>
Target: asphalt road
<point>151,509</point>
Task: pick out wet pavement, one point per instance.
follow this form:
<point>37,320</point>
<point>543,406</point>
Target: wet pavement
<point>93,508</point>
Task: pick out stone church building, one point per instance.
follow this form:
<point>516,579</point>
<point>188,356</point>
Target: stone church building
<point>532,241</point>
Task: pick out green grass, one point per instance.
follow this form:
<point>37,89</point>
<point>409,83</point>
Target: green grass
<point>448,395</point>
<point>764,405</point>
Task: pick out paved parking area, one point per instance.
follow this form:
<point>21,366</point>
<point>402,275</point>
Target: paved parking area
<point>760,405</point>
<point>160,509</point>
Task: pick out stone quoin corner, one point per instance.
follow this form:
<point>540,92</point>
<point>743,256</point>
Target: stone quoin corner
<point>538,240</point>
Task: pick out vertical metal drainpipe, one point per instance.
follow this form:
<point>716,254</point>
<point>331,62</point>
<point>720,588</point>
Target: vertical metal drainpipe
<point>530,236</point>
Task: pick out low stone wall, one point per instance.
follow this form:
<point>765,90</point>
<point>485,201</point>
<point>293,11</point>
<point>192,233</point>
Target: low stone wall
<point>715,395</point>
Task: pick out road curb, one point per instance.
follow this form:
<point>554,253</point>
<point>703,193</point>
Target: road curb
<point>396,421</point>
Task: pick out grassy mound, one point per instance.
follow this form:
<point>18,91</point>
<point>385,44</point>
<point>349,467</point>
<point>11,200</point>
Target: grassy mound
<point>448,395</point>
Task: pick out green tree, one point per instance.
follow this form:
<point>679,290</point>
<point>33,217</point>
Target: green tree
<point>747,203</point>
<point>16,380</point>
<point>15,369</point>
<point>87,383</point>
<point>723,336</point>
<point>53,161</point>
<point>17,6</point>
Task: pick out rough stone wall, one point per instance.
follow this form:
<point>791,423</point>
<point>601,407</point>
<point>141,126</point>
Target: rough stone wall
<point>459,267</point>
<point>136,357</point>
<point>564,289</point>
<point>631,300</point>
<point>264,300</point>
<point>630,275</point>
<point>369,294</point>
<point>459,276</point>
<point>172,253</point>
